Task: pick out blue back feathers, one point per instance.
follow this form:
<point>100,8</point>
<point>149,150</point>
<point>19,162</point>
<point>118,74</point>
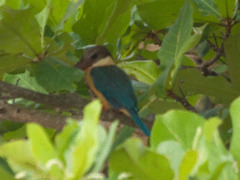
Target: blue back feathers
<point>115,86</point>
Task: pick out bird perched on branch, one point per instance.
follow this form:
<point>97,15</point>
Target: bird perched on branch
<point>110,84</point>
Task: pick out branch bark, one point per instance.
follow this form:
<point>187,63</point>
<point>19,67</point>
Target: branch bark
<point>63,101</point>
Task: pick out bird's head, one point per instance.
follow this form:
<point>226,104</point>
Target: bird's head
<point>95,56</point>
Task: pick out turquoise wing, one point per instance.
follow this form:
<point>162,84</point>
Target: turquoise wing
<point>114,84</point>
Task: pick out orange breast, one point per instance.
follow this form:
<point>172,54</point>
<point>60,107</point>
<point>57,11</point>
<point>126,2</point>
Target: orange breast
<point>90,83</point>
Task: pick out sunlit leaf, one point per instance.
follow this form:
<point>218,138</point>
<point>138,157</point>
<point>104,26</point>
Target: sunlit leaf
<point>143,164</point>
<point>144,71</point>
<point>85,148</point>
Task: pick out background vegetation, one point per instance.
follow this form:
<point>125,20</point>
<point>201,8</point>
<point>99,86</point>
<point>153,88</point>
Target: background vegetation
<point>184,60</point>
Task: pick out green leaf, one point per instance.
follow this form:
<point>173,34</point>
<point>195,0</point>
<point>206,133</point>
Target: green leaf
<point>59,8</point>
<point>55,75</point>
<point>106,148</point>
<point>60,46</point>
<point>109,20</point>
<point>11,63</point>
<point>207,7</point>
<point>85,148</point>
<point>191,82</point>
<point>143,164</point>
<point>42,18</point>
<point>173,151</point>
<point>232,50</point>
<point>37,6</point>
<point>43,150</point>
<point>190,43</point>
<point>16,134</point>
<point>64,139</point>
<point>24,80</point>
<point>180,126</point>
<point>71,9</point>
<point>40,144</point>
<point>177,36</point>
<point>14,4</point>
<point>117,23</point>
<point>235,115</point>
<point>188,162</point>
<point>144,71</point>
<point>149,12</point>
<point>162,106</point>
<point>20,27</point>
<point>4,165</point>
<point>159,87</point>
<point>217,153</point>
<point>125,133</point>
<point>210,127</point>
<point>226,7</point>
<point>93,21</point>
<point>18,153</point>
<point>5,175</point>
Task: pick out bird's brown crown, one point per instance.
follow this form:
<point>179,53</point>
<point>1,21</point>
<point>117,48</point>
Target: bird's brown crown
<point>95,56</point>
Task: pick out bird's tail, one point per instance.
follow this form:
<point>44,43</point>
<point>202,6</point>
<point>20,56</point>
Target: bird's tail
<point>134,115</point>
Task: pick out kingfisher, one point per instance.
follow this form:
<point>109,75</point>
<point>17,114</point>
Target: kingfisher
<point>110,84</point>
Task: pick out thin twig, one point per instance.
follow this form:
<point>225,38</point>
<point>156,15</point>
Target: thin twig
<point>182,100</point>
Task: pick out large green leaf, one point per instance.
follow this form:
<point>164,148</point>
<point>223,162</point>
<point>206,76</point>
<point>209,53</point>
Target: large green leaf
<point>158,14</point>
<point>180,126</point>
<point>177,36</point>
<point>64,139</point>
<point>143,164</point>
<point>71,9</point>
<point>207,7</point>
<point>60,47</point>
<point>109,20</point>
<point>235,114</point>
<point>190,43</point>
<point>15,4</point>
<point>10,63</point>
<point>43,150</point>
<point>55,75</point>
<point>42,18</point>
<point>232,50</point>
<point>18,153</point>
<point>20,27</point>
<point>41,146</point>
<point>59,9</point>
<point>226,7</point>
<point>174,151</point>
<point>217,153</point>
<point>144,71</point>
<point>191,81</point>
<point>24,80</point>
<point>5,175</point>
<point>188,162</point>
<point>82,153</point>
<point>90,24</point>
<point>117,23</point>
<point>106,148</point>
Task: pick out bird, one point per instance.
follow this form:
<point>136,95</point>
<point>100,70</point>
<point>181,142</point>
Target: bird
<point>110,83</point>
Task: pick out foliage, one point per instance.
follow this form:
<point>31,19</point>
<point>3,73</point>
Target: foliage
<point>178,51</point>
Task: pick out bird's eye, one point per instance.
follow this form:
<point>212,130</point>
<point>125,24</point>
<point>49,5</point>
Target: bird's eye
<point>94,56</point>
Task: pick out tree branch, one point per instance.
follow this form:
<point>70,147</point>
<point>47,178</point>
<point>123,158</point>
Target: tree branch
<point>219,52</point>
<point>62,101</point>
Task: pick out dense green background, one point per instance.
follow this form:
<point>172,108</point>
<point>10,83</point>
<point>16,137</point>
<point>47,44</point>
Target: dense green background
<point>41,40</point>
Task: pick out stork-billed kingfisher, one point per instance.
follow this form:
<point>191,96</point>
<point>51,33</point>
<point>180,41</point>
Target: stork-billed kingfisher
<point>109,83</point>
